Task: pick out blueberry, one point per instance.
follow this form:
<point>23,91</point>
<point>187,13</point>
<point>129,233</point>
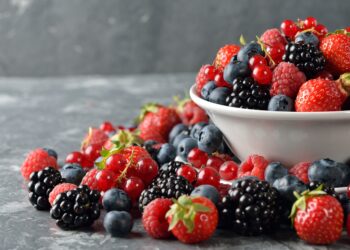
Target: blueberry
<point>287,185</point>
<point>248,51</point>
<point>345,174</point>
<point>196,129</point>
<point>326,171</point>
<point>51,152</point>
<point>118,223</point>
<point>234,70</point>
<point>210,139</point>
<point>72,173</point>
<point>274,171</point>
<point>185,146</point>
<point>281,103</point>
<point>307,37</point>
<point>179,138</point>
<point>116,199</point>
<point>207,191</point>
<point>219,95</point>
<point>207,89</point>
<point>177,129</point>
<point>166,153</point>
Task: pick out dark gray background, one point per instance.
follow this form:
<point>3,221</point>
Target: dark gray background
<point>78,37</point>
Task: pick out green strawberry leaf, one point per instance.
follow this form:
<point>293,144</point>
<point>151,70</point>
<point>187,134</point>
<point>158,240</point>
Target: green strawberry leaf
<point>242,40</point>
<point>149,107</point>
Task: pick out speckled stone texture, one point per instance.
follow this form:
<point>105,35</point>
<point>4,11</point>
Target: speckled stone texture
<point>56,113</point>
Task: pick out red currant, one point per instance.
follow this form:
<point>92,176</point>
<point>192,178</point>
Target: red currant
<point>214,162</point>
<point>133,187</point>
<point>116,163</point>
<point>262,74</point>
<point>208,176</point>
<point>321,30</point>
<point>256,60</point>
<point>228,170</point>
<point>197,157</point>
<point>289,28</point>
<point>220,81</point>
<point>310,22</point>
<point>147,170</point>
<point>188,172</point>
<point>105,180</point>
<point>107,127</point>
<point>87,164</point>
<point>276,52</point>
<point>75,157</point>
<point>92,152</point>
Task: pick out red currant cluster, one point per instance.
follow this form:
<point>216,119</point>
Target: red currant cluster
<point>261,72</point>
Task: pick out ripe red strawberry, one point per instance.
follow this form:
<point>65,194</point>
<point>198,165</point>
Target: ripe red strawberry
<point>153,218</point>
<point>60,188</point>
<point>205,74</point>
<point>322,94</point>
<point>300,170</point>
<point>157,118</point>
<point>36,161</point>
<point>254,165</point>
<point>96,137</point>
<point>318,217</point>
<point>224,55</point>
<point>192,219</point>
<point>272,37</point>
<point>190,113</point>
<point>286,80</point>
<point>335,49</point>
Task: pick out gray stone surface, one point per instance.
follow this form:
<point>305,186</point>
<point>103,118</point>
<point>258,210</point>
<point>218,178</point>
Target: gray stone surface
<point>78,37</point>
<point>56,113</point>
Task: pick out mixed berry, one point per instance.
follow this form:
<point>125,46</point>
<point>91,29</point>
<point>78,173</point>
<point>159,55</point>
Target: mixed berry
<point>175,170</point>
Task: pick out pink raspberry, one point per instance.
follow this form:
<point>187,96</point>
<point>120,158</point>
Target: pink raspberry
<point>255,165</point>
<point>300,171</point>
<point>272,37</point>
<point>286,80</point>
<point>60,188</point>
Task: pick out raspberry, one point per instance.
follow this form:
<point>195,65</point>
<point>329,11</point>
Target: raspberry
<point>255,165</point>
<point>224,55</point>
<point>286,80</point>
<point>205,74</point>
<point>300,171</point>
<point>60,188</point>
<point>272,37</point>
<point>153,218</point>
<point>37,160</point>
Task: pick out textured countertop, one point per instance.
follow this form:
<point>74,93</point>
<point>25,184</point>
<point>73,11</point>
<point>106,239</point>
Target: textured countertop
<point>56,113</point>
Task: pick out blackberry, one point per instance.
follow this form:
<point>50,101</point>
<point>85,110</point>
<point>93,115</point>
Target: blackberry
<point>40,185</point>
<point>172,186</point>
<point>326,188</point>
<point>168,170</point>
<point>151,149</point>
<point>248,94</point>
<point>76,208</point>
<point>307,57</point>
<point>251,207</point>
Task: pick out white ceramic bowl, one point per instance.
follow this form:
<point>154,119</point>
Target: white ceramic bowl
<point>288,137</point>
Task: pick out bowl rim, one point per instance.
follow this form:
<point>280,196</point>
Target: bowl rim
<point>265,114</point>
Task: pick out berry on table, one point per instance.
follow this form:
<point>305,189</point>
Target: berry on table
<point>307,37</point>
<point>185,146</point>
<point>116,199</point>
<point>325,171</point>
<point>300,170</point>
<point>246,52</point>
<point>118,223</point>
<point>167,153</point>
<point>51,152</point>
<point>224,55</point>
<point>281,103</point>
<point>236,69</point>
<point>194,133</point>
<point>107,127</point>
<point>228,170</point>
<point>190,113</point>
<point>92,152</point>
<point>321,30</point>
<point>115,163</point>
<point>210,138</point>
<point>60,188</point>
<point>147,170</point>
<point>176,130</point>
<point>179,138</point>
<point>309,22</point>
<point>271,37</point>
<point>214,162</point>
<point>75,157</point>
<point>289,28</point>
<point>286,185</point>
<point>209,176</point>
<point>254,165</point>
<point>100,180</point>
<point>188,172</point>
<point>262,74</point>
<point>72,173</point>
<point>275,53</point>
<point>207,191</point>
<point>95,136</point>
<point>133,186</point>
<point>256,60</point>
<point>197,157</point>
<point>274,171</point>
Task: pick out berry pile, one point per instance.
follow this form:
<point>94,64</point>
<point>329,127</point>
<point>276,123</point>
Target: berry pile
<point>299,67</point>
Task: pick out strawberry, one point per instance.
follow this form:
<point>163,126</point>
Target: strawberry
<point>60,188</point>
<point>157,118</point>
<point>272,37</point>
<point>254,165</point>
<point>36,161</point>
<point>300,170</point>
<point>224,55</point>
<point>317,217</point>
<point>153,218</point>
<point>192,219</point>
<point>335,49</point>
<point>190,113</point>
<point>322,94</point>
<point>96,137</point>
<point>205,74</point>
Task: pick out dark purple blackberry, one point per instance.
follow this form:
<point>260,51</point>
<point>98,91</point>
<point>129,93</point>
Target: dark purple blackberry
<point>151,149</point>
<point>306,57</point>
<point>247,94</point>
<point>326,188</point>
<point>40,185</point>
<point>76,208</point>
<point>171,187</point>
<point>251,207</point>
<point>168,170</point>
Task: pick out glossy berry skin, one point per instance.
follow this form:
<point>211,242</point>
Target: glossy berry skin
<point>281,103</point>
<point>118,223</point>
<point>224,55</point>
<point>115,163</point>
<point>105,180</point>
<point>276,53</point>
<point>247,51</point>
<point>167,153</point>
<point>197,158</point>
<point>274,171</point>
<point>116,199</point>
<point>262,74</point>
<point>309,22</point>
<point>256,60</point>
<point>133,186</point>
<point>214,162</point>
<point>72,173</point>
<point>286,185</point>
<point>196,129</point>
<point>210,138</point>
<point>325,171</point>
<point>185,146</point>
<point>51,152</point>
<point>322,220</point>
<point>107,127</point>
<point>289,28</point>
<point>322,30</point>
<point>300,170</point>
<point>74,157</point>
<point>220,81</point>
<point>228,170</point>
<point>176,130</point>
<point>207,89</point>
<point>205,74</point>
<point>60,188</point>
<point>219,95</point>
<point>209,176</point>
<point>207,191</point>
<point>146,169</point>
<point>92,152</point>
<point>188,172</point>
<point>179,138</point>
<point>254,165</point>
<point>307,37</point>
<point>236,69</point>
